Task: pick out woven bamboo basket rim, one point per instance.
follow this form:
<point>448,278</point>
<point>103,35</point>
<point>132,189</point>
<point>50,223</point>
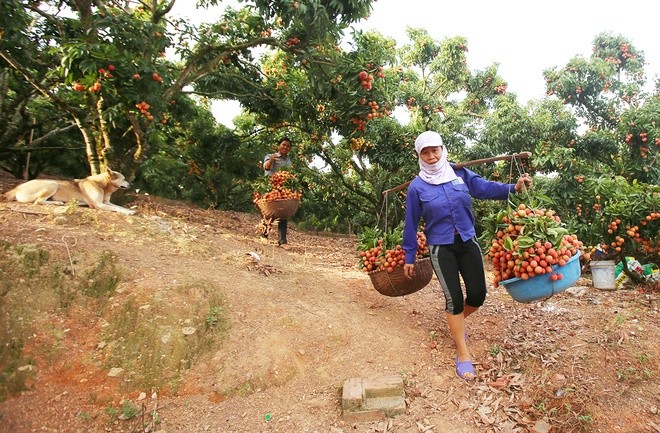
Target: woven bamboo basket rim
<point>281,208</point>
<point>395,283</point>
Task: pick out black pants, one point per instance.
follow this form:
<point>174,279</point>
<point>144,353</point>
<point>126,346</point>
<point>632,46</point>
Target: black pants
<point>464,259</point>
<point>281,231</point>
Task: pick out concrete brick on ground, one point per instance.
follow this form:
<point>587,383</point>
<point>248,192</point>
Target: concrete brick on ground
<point>384,386</point>
<point>352,394</point>
<point>364,416</point>
<point>373,399</point>
<point>390,406</point>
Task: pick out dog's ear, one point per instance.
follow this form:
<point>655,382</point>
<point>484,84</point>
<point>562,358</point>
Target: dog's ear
<point>107,170</point>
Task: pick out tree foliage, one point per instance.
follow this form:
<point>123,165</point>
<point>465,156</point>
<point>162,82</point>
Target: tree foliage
<point>92,83</point>
<point>103,64</point>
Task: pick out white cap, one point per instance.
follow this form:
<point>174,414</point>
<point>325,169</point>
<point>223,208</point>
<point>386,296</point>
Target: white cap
<point>427,139</point>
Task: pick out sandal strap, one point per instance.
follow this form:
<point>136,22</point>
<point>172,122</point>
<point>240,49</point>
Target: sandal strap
<point>463,368</point>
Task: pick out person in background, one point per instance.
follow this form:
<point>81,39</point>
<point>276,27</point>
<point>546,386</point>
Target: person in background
<point>442,197</point>
<point>272,163</point>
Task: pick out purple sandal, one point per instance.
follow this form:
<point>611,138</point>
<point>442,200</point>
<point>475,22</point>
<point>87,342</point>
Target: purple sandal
<point>463,368</point>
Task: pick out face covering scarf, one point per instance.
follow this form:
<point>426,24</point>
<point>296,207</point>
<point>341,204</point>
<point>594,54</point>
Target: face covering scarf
<point>437,173</point>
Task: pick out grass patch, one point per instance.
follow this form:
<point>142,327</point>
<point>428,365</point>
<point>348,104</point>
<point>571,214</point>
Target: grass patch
<point>36,290</point>
<point>20,269</point>
<point>17,371</point>
<point>636,370</point>
<point>102,279</point>
<point>153,345</point>
<point>268,379</point>
<point>156,343</point>
<point>125,412</point>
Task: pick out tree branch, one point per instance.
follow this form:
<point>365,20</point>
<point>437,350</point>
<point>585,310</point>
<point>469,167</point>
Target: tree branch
<point>37,85</point>
<point>192,72</point>
<point>49,135</point>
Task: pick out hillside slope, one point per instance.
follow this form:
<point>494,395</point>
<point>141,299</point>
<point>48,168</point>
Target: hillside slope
<point>265,345</point>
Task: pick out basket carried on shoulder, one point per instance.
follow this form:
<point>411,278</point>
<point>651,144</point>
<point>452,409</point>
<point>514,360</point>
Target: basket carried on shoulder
<point>275,209</point>
<point>395,283</point>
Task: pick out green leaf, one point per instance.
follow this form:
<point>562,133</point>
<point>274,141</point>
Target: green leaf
<point>525,242</point>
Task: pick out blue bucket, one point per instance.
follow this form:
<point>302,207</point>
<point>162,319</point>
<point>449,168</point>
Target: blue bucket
<point>541,286</point>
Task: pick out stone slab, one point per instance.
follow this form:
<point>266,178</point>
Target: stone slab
<point>372,399</point>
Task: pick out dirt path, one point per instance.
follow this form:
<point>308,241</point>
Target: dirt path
<point>303,321</point>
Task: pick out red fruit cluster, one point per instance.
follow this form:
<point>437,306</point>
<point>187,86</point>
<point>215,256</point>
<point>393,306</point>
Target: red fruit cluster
<point>410,102</point>
<point>375,111</point>
<point>373,105</point>
<point>522,250</point>
<point>646,245</point>
<point>144,109</point>
<point>281,177</point>
<point>422,246</point>
<point>365,80</point>
<point>156,77</point>
<point>106,73</point>
<point>625,53</point>
<point>612,60</point>
<point>378,258</point>
<point>278,189</point>
<point>501,88</point>
<point>360,124</point>
<point>641,141</point>
<point>291,42</point>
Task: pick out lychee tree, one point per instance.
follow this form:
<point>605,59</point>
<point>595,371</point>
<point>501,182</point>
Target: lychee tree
<point>340,100</point>
<point>607,94</point>
<point>594,145</point>
<point>107,70</point>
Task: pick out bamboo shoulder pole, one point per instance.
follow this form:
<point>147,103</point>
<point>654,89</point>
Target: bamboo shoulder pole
<point>521,155</point>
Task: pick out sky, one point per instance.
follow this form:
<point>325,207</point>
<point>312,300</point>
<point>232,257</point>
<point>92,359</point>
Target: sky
<point>524,37</point>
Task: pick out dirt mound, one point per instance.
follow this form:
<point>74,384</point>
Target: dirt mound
<point>296,325</point>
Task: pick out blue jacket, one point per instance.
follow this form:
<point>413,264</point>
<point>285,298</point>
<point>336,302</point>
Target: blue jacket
<point>446,208</point>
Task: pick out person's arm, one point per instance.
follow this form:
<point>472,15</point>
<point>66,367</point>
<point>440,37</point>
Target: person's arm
<point>269,160</point>
<point>409,244</point>
<point>481,188</point>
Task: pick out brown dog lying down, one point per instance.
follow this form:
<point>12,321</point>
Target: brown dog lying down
<point>94,191</point>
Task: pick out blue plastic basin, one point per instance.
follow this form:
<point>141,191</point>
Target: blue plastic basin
<point>541,286</point>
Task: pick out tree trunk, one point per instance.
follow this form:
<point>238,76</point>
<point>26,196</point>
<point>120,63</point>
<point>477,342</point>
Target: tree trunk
<point>90,146</point>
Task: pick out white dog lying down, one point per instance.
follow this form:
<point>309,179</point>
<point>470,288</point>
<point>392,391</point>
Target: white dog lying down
<point>94,191</point>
